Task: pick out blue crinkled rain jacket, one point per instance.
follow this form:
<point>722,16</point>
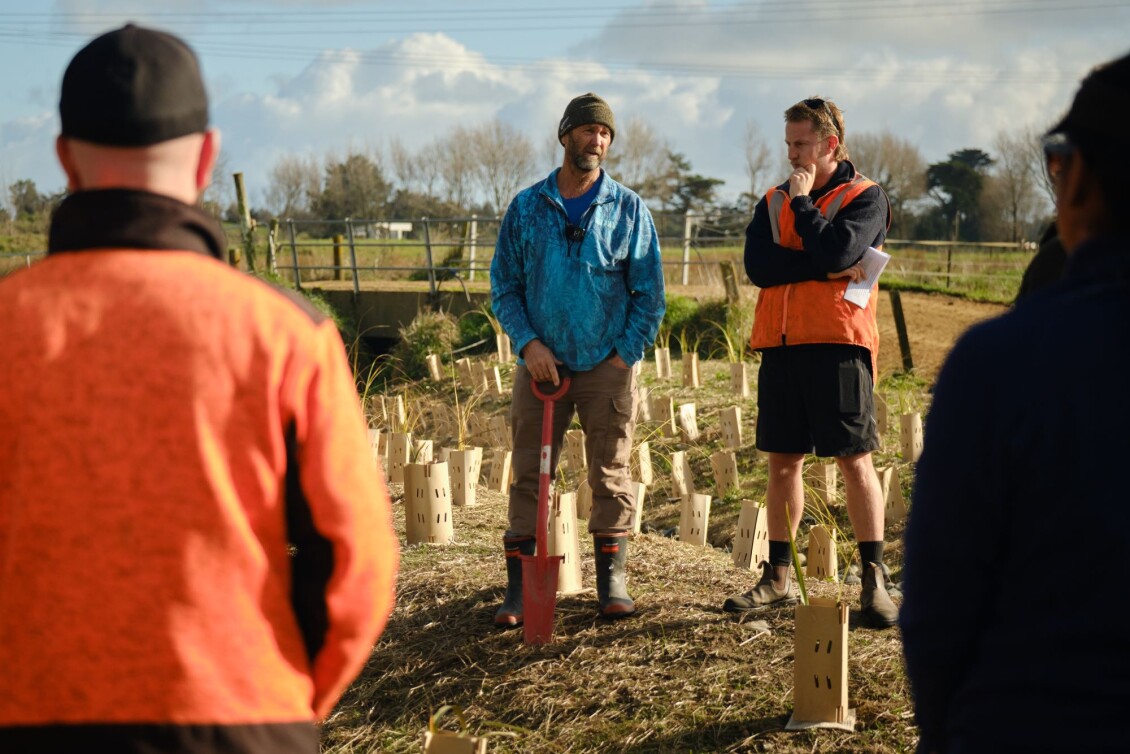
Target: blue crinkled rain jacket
<point>582,299</point>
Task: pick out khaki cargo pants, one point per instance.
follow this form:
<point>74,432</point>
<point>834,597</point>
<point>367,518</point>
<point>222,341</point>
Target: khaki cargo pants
<point>604,401</point>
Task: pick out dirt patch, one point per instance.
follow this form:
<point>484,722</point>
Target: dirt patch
<point>934,322</point>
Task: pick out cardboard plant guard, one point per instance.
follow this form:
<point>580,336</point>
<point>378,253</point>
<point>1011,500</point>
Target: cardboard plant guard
<point>642,458</point>
<point>641,495</point>
<point>690,370</point>
<point>575,450</point>
<point>435,371</point>
<point>584,500</point>
<point>663,411</point>
<point>465,467</point>
<point>500,471</point>
<point>427,499</point>
<point>751,542</point>
<point>894,503</point>
<point>688,421</point>
<point>822,478</point>
<point>682,480</point>
<point>564,540</point>
<point>695,519</point>
<point>730,421</point>
<point>820,692</point>
<point>399,453</point>
<point>502,346</point>
<point>643,402</point>
<point>725,465</point>
<point>739,381</point>
<point>539,571</point>
<point>882,411</point>
<point>910,436</point>
<point>438,741</point>
<point>822,560</point>
<point>662,363</point>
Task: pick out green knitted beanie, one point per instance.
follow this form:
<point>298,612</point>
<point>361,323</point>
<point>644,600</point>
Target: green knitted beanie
<point>588,108</point>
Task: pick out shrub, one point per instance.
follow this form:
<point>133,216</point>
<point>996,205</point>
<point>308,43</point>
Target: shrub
<point>429,332</point>
<point>475,326</point>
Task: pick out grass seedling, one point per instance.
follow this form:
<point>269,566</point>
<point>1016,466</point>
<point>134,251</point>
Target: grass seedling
<point>796,559</point>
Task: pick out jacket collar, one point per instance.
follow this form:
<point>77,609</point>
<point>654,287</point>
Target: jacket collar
<point>608,191</point>
<point>1107,257</point>
<point>130,219</point>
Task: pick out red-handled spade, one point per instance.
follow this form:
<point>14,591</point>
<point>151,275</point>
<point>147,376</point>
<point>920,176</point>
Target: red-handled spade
<point>539,571</point>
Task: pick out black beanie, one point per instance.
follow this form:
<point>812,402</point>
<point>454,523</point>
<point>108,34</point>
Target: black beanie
<point>133,87</point>
<point>586,109</point>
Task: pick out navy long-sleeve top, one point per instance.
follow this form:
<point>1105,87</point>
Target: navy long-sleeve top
<point>828,246</point>
<point>1019,525</point>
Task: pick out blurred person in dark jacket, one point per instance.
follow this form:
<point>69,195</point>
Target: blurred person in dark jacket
<point>1010,628</point>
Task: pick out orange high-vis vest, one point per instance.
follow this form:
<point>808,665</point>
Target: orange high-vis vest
<point>813,311</point>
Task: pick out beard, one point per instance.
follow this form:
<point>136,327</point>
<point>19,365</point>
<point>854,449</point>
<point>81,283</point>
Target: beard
<point>586,162</point>
<point>582,160</point>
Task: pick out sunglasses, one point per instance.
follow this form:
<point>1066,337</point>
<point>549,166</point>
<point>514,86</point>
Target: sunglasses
<point>1057,149</point>
<point>815,103</point>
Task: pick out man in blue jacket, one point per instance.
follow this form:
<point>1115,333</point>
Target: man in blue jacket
<point>577,280</point>
<point>1020,648</point>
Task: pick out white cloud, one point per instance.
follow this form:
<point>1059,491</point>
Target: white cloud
<point>27,150</point>
<point>695,71</point>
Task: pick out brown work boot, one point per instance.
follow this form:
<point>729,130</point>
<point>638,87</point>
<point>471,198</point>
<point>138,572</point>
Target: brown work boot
<point>775,588</point>
<point>878,609</point>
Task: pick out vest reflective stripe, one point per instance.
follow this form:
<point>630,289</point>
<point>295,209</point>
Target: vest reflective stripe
<point>776,202</point>
<point>813,311</point>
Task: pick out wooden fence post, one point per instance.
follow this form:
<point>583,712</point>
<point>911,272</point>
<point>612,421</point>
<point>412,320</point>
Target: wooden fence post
<point>246,224</point>
<point>338,241</point>
<point>900,328</point>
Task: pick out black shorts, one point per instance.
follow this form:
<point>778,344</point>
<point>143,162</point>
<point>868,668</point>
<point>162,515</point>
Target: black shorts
<point>816,398</point>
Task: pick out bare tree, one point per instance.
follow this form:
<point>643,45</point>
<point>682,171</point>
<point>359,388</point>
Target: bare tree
<point>895,164</point>
<point>1014,188</point>
<point>219,196</point>
<point>759,163</point>
<point>293,181</point>
<point>452,158</point>
<point>405,165</point>
<point>429,167</point>
<point>638,158</point>
<point>1032,138</point>
<point>501,161</point>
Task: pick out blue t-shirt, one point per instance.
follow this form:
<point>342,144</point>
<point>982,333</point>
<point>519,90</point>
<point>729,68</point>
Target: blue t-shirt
<point>575,208</point>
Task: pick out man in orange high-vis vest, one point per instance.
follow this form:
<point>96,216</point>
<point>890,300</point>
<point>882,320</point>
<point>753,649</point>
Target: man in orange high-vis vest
<point>818,351</point>
<point>196,552</point>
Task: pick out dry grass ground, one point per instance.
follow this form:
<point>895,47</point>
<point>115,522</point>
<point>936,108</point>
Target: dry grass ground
<point>681,676</point>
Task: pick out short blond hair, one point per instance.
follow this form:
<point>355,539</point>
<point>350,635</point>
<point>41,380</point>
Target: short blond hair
<point>826,119</point>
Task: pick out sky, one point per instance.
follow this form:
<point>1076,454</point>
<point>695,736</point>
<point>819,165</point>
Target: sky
<point>324,78</point>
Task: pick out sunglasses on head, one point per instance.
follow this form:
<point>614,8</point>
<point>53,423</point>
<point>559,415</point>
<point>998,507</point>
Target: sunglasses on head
<point>815,103</point>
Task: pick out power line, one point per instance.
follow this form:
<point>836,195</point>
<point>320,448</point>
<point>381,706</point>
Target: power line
<point>477,62</point>
<point>509,19</point>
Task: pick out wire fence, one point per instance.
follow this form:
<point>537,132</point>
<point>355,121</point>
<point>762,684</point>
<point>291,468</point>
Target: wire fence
<point>305,252</point>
